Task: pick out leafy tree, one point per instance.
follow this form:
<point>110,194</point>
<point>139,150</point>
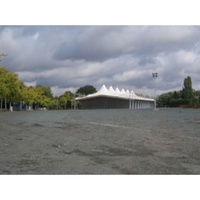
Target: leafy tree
<point>87,89</point>
<point>12,87</point>
<point>176,95</point>
<point>9,87</point>
<point>3,88</point>
<point>53,104</point>
<point>66,99</point>
<point>187,96</point>
<point>22,87</point>
<point>187,90</point>
<point>44,96</point>
<point>63,102</point>
<point>164,100</point>
<point>196,98</point>
<point>41,99</point>
<point>3,72</point>
<point>29,95</point>
<point>46,91</point>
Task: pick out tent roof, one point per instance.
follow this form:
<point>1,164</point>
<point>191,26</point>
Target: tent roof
<point>112,90</point>
<point>104,92</point>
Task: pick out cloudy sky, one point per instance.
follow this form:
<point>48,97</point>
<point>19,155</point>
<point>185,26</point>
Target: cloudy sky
<point>69,57</point>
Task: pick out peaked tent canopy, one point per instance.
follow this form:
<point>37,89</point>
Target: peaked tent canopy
<point>112,99</point>
<point>104,92</point>
<point>116,99</point>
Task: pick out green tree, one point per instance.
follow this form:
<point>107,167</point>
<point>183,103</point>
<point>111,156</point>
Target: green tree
<point>53,103</point>
<point>22,87</point>
<point>46,91</point>
<point>176,95</point>
<point>187,96</point>
<point>187,90</point>
<point>87,89</point>
<point>9,87</point>
<point>164,100</point>
<point>41,99</point>
<point>44,96</point>
<point>12,88</point>
<point>3,90</point>
<point>29,95</point>
<point>66,99</point>
<point>196,98</point>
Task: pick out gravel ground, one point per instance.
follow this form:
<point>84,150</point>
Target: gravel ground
<point>100,142</point>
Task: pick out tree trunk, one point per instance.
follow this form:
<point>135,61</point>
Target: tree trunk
<point>10,106</point>
<point>5,106</point>
<point>20,106</point>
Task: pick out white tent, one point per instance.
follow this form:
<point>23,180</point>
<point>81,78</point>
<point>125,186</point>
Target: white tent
<point>104,92</point>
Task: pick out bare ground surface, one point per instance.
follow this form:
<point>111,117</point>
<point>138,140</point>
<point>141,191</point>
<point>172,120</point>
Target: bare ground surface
<point>100,142</point>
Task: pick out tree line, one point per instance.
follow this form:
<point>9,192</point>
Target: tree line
<point>15,94</point>
<point>187,97</point>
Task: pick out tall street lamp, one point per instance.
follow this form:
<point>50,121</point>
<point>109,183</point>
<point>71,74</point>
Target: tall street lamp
<point>155,75</point>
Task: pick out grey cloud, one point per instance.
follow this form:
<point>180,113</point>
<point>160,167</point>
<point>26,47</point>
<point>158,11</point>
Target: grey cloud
<point>123,56</point>
<point>146,60</point>
<point>94,45</point>
<point>100,43</point>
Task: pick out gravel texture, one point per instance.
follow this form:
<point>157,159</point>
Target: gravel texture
<point>100,142</point>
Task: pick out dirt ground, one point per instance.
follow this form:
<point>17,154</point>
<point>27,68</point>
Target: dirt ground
<point>100,142</point>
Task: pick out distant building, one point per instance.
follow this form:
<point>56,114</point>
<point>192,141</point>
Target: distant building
<point>114,99</point>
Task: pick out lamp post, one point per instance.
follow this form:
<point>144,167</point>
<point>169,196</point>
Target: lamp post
<point>155,75</point>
